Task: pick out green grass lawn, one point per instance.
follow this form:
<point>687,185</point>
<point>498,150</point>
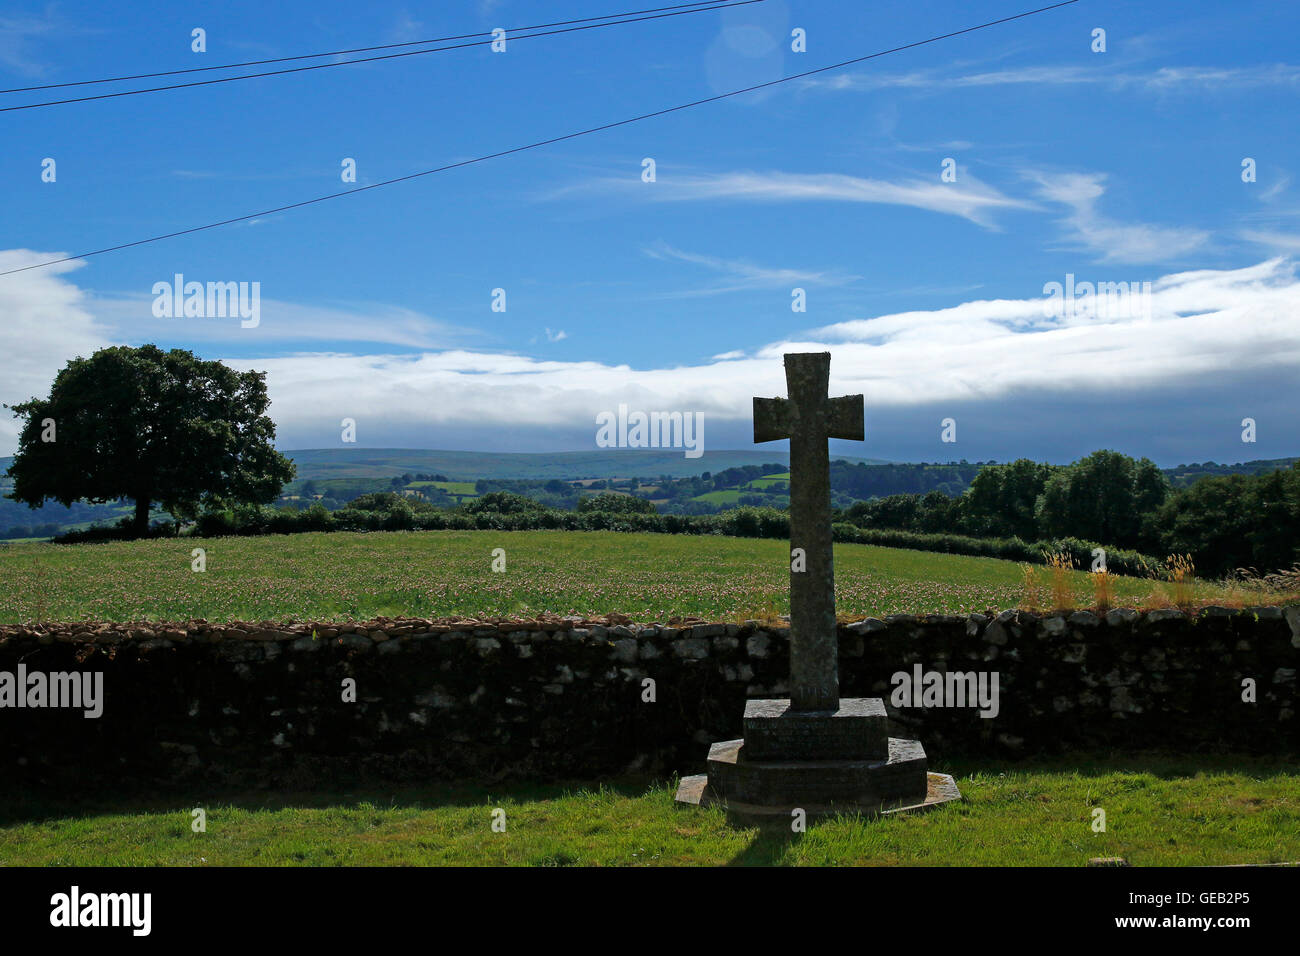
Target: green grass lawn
<point>436,573</point>
<point>1160,811</point>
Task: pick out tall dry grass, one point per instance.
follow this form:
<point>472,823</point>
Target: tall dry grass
<point>1060,565</point>
<point>1246,586</point>
<point>768,612</point>
<point>1033,589</point>
<point>1103,590</point>
<point>1182,576</point>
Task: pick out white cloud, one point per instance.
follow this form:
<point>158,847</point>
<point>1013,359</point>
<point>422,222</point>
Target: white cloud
<point>131,317</point>
<point>969,199</point>
<point>1191,79</point>
<point>1202,78</point>
<point>740,274</point>
<point>1276,189</point>
<point>16,34</point>
<point>1278,241</point>
<point>44,322</point>
<point>1109,239</point>
<point>406,29</point>
<point>1203,325</point>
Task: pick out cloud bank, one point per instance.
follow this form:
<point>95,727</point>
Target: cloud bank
<point>1202,328</point>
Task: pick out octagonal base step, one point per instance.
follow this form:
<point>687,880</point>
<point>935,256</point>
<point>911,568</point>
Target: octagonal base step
<point>734,774</point>
<point>695,791</point>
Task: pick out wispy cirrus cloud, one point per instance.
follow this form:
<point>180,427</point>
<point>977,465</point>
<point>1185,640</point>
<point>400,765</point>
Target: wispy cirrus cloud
<point>1111,239</point>
<point>969,199</point>
<point>1282,242</point>
<point>17,34</point>
<point>1191,79</point>
<point>1275,189</point>
<point>406,29</point>
<point>740,274</point>
<point>130,317</point>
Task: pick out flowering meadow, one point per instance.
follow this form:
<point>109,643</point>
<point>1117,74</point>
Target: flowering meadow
<point>355,576</point>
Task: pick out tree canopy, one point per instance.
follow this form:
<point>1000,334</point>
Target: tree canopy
<point>152,426</point>
<point>609,503</point>
<point>1103,497</point>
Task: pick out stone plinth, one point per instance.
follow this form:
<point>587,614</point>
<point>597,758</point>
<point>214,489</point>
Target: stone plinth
<point>857,731</point>
<point>823,763</point>
<point>797,782</point>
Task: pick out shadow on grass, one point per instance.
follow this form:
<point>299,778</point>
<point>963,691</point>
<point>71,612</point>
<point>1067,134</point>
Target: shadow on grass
<point>37,806</point>
<point>1166,766</point>
<point>767,846</point>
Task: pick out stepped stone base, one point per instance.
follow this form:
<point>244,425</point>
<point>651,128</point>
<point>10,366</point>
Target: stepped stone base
<point>823,762</point>
<point>694,791</point>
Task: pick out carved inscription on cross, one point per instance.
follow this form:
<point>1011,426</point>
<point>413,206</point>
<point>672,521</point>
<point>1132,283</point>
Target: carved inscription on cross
<point>808,418</point>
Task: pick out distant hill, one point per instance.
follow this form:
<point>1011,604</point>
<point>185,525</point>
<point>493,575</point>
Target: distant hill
<point>344,473</point>
<point>322,463</point>
<point>1184,475</point>
<point>325,463</point>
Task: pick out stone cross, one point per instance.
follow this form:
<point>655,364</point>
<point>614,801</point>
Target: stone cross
<point>808,418</point>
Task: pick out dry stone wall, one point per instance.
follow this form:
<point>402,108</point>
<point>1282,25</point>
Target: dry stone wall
<point>569,698</point>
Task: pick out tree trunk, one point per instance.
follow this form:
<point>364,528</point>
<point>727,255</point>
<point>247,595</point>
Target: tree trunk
<point>141,526</point>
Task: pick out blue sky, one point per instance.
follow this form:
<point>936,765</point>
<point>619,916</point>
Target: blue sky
<point>1115,166</point>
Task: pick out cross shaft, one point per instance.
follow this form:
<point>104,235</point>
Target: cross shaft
<point>808,418</point>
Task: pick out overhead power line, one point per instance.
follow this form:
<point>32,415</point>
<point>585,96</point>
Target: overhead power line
<point>714,5</point>
<point>361,49</point>
<point>545,142</point>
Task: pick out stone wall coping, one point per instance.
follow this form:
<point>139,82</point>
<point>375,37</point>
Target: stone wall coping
<point>608,629</point>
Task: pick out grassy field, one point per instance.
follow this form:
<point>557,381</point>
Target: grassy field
<point>460,488</point>
<point>731,496</point>
<point>1160,811</point>
<point>428,574</point>
<point>728,496</point>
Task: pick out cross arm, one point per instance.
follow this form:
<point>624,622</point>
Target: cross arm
<point>771,419</point>
<point>844,418</point>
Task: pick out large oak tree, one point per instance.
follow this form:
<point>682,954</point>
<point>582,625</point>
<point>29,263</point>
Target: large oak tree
<point>152,426</point>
